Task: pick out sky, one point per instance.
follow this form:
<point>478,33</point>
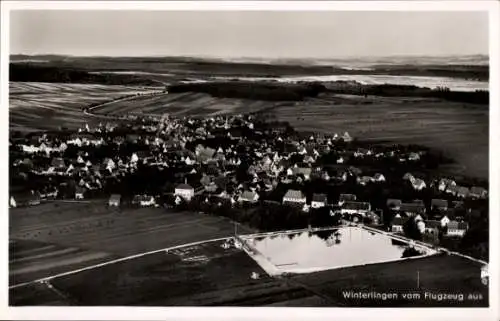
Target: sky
<point>266,34</point>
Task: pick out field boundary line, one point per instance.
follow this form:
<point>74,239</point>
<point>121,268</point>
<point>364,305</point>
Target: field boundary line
<point>48,278</point>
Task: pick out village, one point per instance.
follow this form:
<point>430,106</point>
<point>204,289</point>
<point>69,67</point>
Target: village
<point>253,170</point>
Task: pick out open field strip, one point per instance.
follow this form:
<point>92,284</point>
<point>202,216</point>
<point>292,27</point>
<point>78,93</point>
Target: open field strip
<point>115,261</point>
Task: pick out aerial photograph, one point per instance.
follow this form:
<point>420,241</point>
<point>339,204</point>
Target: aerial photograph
<point>248,158</point>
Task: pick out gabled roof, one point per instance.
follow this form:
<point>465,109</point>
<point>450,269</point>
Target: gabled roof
<point>397,220</point>
<point>319,198</point>
<point>439,203</point>
<point>248,195</point>
<point>394,202</point>
<point>412,208</point>
<point>115,197</point>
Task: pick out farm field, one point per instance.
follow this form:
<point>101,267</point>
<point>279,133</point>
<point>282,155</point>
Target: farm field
<point>93,233</point>
<point>201,275</point>
<point>459,130</point>
<point>42,106</point>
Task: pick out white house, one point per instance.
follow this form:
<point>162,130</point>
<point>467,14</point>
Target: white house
<point>294,197</point>
<point>147,200</point>
<point>185,191</point>
<point>319,200</point>
<point>418,184</point>
<point>379,178</point>
<point>397,224</point>
<point>444,221</point>
<point>444,183</point>
<point>361,208</point>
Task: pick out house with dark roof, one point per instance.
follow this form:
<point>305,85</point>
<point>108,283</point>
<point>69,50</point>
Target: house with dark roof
<point>457,228</point>
<point>319,200</point>
<point>462,192</point>
<point>249,197</point>
<point>185,191</point>
<point>346,198</point>
<point>397,224</point>
<point>294,197</point>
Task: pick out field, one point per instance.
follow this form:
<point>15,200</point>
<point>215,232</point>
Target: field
<point>459,130</point>
<point>58,237</point>
<point>41,106</point>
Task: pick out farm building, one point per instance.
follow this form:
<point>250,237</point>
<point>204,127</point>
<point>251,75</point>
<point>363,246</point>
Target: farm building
<point>319,200</point>
<point>294,197</point>
<point>114,200</point>
<point>397,224</point>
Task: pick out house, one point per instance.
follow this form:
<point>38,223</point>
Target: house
<point>249,196</point>
<point>394,204</point>
<point>185,191</point>
<point>418,184</point>
<point>319,200</point>
<point>432,226</point>
<point>114,200</point>
<point>457,228</point>
<point>79,192</point>
<point>412,209</point>
<point>397,224</point>
<point>439,204</point>
<point>478,192</point>
<point>294,197</point>
<point>354,207</point>
<point>304,171</point>
<point>364,180</point>
<point>346,198</point>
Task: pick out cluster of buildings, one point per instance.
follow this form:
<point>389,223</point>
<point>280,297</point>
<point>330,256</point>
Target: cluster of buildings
<point>237,158</point>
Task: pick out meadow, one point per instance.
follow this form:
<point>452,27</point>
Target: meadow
<point>459,130</point>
